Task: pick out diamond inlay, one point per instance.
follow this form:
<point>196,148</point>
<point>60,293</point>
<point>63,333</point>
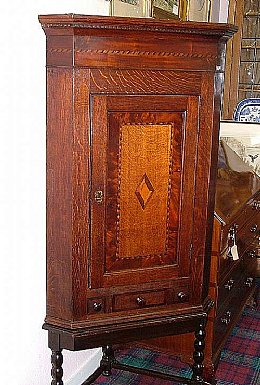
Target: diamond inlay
<point>144,191</point>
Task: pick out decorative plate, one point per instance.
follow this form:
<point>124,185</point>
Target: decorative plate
<point>248,110</point>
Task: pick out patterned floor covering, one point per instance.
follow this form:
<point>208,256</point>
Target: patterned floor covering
<point>239,364</point>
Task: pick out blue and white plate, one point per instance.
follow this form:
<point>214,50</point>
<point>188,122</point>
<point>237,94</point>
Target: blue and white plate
<point>248,110</point>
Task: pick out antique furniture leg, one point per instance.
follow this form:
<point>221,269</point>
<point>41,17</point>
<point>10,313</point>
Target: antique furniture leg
<point>56,359</point>
<point>198,355</point>
<point>105,367</point>
<point>56,370</point>
<point>107,360</point>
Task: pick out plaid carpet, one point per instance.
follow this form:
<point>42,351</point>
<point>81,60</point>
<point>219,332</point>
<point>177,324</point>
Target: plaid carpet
<point>239,364</point>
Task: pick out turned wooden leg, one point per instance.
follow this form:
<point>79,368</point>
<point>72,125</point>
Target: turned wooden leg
<point>198,354</point>
<point>56,370</point>
<point>107,360</point>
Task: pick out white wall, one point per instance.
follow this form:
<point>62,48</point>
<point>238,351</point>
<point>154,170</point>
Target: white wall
<point>24,356</point>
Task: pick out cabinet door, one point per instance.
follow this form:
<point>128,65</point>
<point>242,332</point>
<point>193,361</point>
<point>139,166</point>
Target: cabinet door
<point>143,181</point>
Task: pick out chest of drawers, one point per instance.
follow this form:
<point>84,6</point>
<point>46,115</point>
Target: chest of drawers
<point>235,245</point>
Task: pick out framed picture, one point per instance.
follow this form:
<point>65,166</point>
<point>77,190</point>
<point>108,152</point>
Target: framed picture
<point>199,10</point>
<point>168,9</point>
<point>130,8</point>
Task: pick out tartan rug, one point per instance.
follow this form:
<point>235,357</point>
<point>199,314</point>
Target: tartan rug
<point>239,363</point>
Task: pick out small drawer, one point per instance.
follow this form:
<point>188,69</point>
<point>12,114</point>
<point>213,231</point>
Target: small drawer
<point>226,317</point>
<point>248,236</point>
<point>139,300</point>
<point>96,305</point>
<point>251,210</point>
<point>230,285</point>
<point>222,326</point>
<point>181,295</point>
<point>234,299</point>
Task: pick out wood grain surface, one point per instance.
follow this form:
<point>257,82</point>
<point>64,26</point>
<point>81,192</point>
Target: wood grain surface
<point>132,126</point>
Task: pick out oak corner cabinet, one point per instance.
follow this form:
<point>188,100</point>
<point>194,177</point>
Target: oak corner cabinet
<point>132,145</point>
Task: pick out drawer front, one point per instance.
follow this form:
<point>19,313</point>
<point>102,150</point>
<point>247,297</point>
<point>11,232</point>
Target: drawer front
<point>138,300</point>
<point>229,310</point>
<point>96,305</point>
<point>228,313</point>
<point>147,299</point>
<point>230,284</point>
<point>245,221</point>
<point>251,211</point>
<point>243,237</point>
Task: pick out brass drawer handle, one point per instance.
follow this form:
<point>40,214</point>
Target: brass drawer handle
<point>256,205</point>
<point>251,253</point>
<point>249,281</point>
<point>227,318</point>
<point>140,301</point>
<point>229,285</point>
<point>253,229</point>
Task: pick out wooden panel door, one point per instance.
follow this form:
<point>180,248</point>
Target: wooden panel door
<point>143,183</point>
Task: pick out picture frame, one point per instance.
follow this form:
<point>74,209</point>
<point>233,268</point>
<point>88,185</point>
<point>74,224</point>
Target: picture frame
<point>169,9</point>
<point>130,8</point>
<point>199,10</point>
<point>192,10</point>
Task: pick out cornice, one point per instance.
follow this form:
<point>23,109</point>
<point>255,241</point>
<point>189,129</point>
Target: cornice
<point>135,24</point>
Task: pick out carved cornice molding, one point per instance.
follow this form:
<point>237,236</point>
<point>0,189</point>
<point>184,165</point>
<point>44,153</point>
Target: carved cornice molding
<point>130,24</point>
<point>208,57</point>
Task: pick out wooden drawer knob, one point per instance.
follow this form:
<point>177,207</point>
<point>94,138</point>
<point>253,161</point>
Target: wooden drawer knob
<point>182,296</point>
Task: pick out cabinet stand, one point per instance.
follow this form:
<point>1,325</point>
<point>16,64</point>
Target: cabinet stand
<point>109,361</point>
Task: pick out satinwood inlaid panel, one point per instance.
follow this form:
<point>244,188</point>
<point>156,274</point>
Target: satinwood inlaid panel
<point>144,197</point>
<point>144,184</point>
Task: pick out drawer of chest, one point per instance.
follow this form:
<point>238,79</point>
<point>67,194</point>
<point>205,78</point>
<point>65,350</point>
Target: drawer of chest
<point>234,286</point>
<point>147,299</point>
<point>223,323</point>
<point>250,233</point>
<point>230,284</point>
<point>251,211</point>
<point>229,310</point>
<point>245,224</point>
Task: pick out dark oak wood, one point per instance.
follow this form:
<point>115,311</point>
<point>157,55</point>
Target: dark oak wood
<point>132,136</point>
<point>56,371</point>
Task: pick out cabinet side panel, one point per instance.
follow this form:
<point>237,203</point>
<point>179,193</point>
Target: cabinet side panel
<point>204,204</point>
<point>81,186</point>
<point>59,192</point>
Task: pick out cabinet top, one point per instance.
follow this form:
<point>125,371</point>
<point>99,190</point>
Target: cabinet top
<point>135,24</point>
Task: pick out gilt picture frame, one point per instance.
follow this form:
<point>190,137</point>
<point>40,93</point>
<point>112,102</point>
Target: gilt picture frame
<point>162,9</point>
<point>130,8</point>
<point>199,10</point>
<point>169,9</point>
